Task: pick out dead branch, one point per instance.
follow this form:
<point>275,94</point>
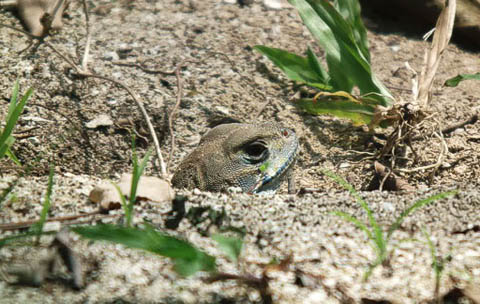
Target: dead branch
<point>26,224</point>
<point>144,113</point>
<point>439,160</point>
<point>171,117</point>
<point>142,67</point>
<point>441,37</point>
<point>81,72</point>
<point>89,37</point>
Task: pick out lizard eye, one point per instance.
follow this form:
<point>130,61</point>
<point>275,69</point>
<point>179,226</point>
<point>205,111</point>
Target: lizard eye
<point>256,152</point>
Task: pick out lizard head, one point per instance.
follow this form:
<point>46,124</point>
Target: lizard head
<point>254,157</point>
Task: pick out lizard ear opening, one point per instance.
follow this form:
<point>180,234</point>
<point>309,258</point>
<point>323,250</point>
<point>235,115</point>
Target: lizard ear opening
<point>255,152</point>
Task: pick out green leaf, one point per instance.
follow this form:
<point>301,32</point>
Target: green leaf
<point>453,82</point>
<point>231,246</point>
<point>295,67</point>
<point>357,112</point>
<point>347,64</point>
<point>350,11</point>
<point>377,237</point>
<point>188,259</point>
<point>315,65</point>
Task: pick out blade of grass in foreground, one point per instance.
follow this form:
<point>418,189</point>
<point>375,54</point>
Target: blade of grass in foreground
<point>231,246</point>
<point>188,259</point>
<point>138,169</point>
<point>360,200</point>
<point>415,206</point>
<point>38,226</point>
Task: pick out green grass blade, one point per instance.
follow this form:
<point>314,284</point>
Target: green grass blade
<point>231,246</point>
<point>356,222</point>
<point>295,67</point>
<point>379,260</point>
<point>5,146</point>
<point>12,157</point>
<point>38,226</point>
<point>188,259</point>
<point>453,82</point>
<point>377,237</point>
<point>125,206</point>
<point>356,112</point>
<point>347,65</point>
<point>15,110</point>
<point>13,100</point>
<point>433,253</point>
<point>418,204</point>
<point>136,175</point>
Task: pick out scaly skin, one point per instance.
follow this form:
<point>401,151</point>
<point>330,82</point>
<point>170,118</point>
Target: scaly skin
<point>254,157</point>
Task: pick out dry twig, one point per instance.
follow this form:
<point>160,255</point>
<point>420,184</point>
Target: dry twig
<point>26,224</point>
<point>89,37</point>
<point>81,72</point>
<point>171,117</point>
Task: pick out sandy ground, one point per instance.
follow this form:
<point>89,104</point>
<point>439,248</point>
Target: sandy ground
<point>223,75</point>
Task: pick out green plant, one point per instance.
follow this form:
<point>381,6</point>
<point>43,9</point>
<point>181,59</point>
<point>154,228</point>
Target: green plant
<point>338,29</point>
<point>15,109</point>
<point>138,169</point>
<point>231,246</point>
<point>437,264</point>
<point>454,81</point>
<point>375,233</point>
<point>187,258</point>
<point>38,226</point>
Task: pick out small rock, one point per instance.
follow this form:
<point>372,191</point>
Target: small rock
<point>275,4</point>
<point>111,55</point>
<point>102,120</point>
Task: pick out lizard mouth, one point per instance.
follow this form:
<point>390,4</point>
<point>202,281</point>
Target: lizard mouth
<point>274,170</point>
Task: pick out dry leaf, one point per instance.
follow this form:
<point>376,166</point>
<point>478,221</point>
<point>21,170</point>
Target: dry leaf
<point>391,182</point>
<point>149,188</point>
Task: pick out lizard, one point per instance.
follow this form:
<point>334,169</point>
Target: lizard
<point>32,11</point>
<point>254,157</point>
